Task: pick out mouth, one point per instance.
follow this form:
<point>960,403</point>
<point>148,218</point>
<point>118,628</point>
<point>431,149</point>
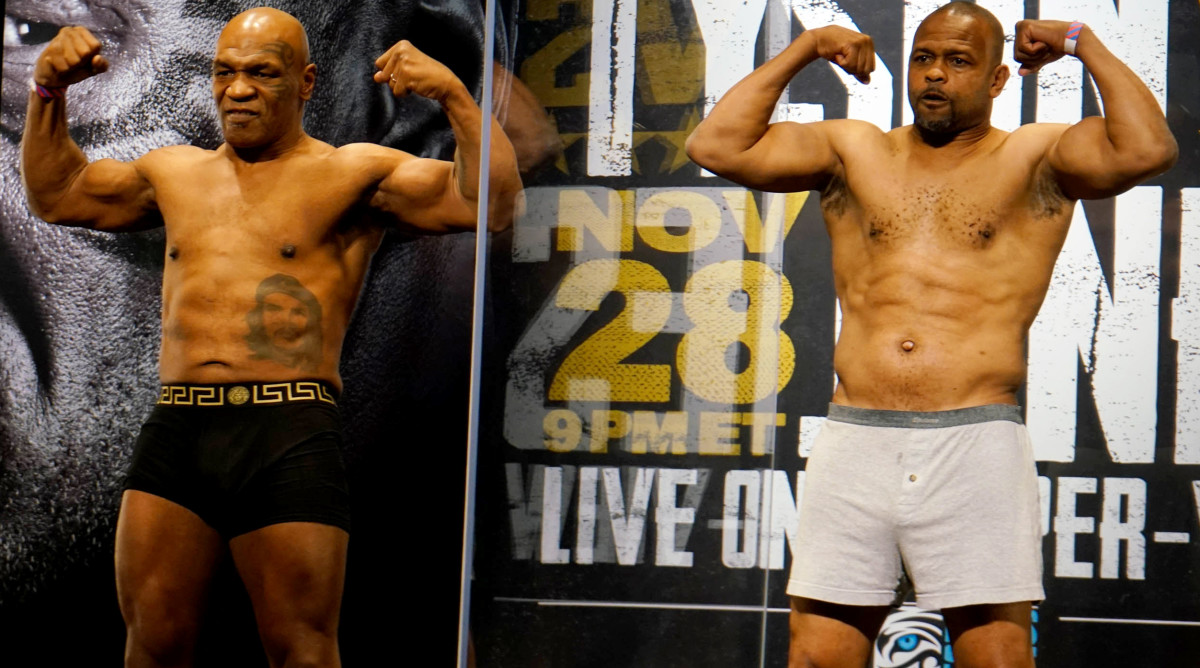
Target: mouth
<point>240,115</point>
<point>933,97</point>
<point>287,336</point>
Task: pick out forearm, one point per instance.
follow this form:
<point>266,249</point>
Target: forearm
<point>743,115</point>
<point>504,182</point>
<point>50,159</point>
<point>1134,123</point>
<point>526,123</point>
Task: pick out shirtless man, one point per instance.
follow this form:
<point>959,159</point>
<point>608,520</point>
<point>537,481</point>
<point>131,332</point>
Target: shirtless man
<point>944,236</point>
<point>268,238</point>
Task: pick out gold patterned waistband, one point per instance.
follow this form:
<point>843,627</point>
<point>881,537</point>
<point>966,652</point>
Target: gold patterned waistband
<point>256,394</point>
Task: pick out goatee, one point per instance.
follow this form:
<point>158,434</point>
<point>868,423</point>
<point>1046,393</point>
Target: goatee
<point>938,126</point>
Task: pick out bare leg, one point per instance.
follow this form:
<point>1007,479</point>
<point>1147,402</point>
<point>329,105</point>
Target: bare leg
<point>165,558</point>
<point>991,636</point>
<point>294,573</point>
<point>826,635</point>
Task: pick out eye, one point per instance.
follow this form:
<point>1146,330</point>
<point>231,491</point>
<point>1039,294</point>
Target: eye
<point>25,32</point>
<point>908,642</point>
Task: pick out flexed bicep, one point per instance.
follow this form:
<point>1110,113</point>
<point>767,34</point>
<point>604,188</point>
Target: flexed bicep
<point>790,157</point>
<point>1084,162</point>
<point>105,195</point>
<point>62,186</point>
<point>737,140</point>
<point>422,194</point>
<point>1102,156</point>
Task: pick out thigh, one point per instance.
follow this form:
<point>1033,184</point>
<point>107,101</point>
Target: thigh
<point>827,635</point>
<point>294,573</point>
<point>991,635</point>
<point>165,557</point>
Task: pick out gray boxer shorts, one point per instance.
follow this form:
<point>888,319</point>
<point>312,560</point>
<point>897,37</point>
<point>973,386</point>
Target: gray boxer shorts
<point>951,495</point>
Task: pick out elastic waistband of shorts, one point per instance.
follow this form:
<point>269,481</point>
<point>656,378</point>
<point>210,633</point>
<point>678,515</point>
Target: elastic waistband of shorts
<point>247,394</point>
<point>871,417</point>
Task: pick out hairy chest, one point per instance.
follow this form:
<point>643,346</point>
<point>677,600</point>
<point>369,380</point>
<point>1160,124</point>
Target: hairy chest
<point>899,205</point>
<point>939,215</point>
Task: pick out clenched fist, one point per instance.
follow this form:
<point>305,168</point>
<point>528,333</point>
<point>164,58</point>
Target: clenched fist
<point>72,56</point>
<point>405,69</point>
<point>852,51</point>
<point>1039,43</point>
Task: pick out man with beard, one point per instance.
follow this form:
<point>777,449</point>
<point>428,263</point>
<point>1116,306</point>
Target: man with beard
<point>944,236</point>
<point>268,241</point>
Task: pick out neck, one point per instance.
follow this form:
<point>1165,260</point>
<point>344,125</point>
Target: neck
<point>282,146</point>
<point>964,138</point>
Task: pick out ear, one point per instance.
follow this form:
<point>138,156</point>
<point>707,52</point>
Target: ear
<point>307,81</point>
<point>999,78</point>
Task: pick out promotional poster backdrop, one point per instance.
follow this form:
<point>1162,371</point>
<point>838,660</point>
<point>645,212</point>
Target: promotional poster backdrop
<point>639,481</point>
<point>661,352</point>
<point>79,330</point>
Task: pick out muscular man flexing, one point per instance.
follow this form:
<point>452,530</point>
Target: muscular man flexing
<point>944,236</point>
<point>268,238</point>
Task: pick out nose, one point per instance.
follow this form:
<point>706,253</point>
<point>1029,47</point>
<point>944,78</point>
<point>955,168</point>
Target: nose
<point>935,73</point>
<point>239,89</point>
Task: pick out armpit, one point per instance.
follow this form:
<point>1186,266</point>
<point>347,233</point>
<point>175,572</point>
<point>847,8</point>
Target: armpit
<point>834,196</point>
<point>1047,199</point>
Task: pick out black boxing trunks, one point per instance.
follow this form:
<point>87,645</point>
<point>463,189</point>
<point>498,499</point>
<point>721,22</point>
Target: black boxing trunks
<point>243,456</point>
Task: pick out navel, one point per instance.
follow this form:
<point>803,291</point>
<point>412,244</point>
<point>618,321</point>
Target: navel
<point>173,253</point>
<point>908,345</point>
<point>288,251</point>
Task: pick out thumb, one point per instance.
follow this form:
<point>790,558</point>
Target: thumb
<point>99,64</point>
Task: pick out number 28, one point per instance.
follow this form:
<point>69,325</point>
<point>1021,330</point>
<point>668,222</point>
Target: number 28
<point>734,353</point>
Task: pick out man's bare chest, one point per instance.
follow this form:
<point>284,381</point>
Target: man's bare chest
<point>967,208</point>
<point>216,208</point>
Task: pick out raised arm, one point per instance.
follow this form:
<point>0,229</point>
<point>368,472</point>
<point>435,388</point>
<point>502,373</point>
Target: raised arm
<point>526,122</point>
<point>439,196</point>
<point>738,141</point>
<point>61,185</point>
<point>1100,156</point>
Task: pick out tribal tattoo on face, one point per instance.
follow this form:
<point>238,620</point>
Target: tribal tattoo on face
<point>285,324</point>
<point>283,85</point>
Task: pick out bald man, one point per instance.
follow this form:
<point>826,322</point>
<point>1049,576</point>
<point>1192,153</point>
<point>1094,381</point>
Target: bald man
<point>944,235</point>
<point>268,238</point>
